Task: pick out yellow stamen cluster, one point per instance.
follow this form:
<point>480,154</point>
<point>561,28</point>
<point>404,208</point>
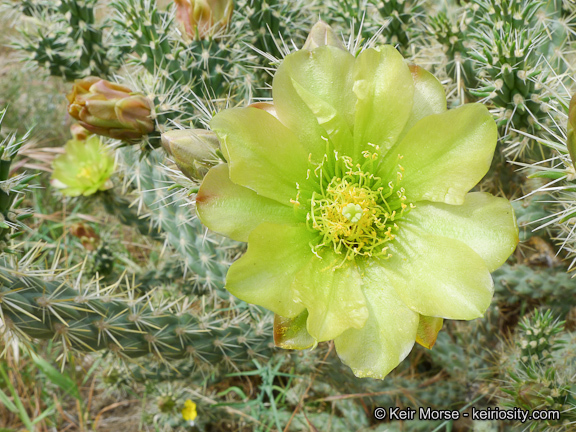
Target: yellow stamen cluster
<point>84,173</point>
<point>355,211</point>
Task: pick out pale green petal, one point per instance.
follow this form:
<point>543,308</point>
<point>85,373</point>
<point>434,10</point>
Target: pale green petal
<point>445,155</point>
<point>264,275</point>
<point>333,296</point>
<point>485,223</point>
<point>385,89</point>
<point>437,276</point>
<point>429,97</point>
<point>73,191</point>
<point>90,190</point>
<point>386,338</point>
<point>334,126</point>
<point>65,171</point>
<point>233,210</point>
<point>262,153</point>
<point>313,97</point>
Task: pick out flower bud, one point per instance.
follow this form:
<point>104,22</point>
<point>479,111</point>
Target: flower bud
<point>109,109</point>
<point>320,35</point>
<point>79,132</point>
<point>571,140</point>
<point>193,150</point>
<point>203,18</point>
<point>86,234</point>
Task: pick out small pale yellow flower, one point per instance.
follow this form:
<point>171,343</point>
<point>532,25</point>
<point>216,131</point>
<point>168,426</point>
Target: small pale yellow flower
<point>189,411</point>
<point>84,169</point>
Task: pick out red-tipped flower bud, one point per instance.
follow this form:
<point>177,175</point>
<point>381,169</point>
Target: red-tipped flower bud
<point>79,132</point>
<point>204,18</point>
<point>321,35</point>
<point>109,109</point>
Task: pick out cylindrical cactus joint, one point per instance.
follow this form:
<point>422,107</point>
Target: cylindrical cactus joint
<point>193,150</point>
<point>571,139</point>
<point>110,109</point>
<point>204,18</point>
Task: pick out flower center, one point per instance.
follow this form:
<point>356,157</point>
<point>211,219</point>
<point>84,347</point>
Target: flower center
<point>84,173</point>
<point>354,211</point>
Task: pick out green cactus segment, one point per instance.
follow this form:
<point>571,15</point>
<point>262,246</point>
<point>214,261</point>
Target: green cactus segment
<point>529,210</point>
<point>540,332</point>
<point>243,344</point>
<point>521,283</point>
<point>541,375</point>
<point>161,273</point>
<point>213,67</point>
<point>270,29</point>
<point>68,42</point>
<point>100,261</point>
<point>565,11</point>
<point>452,32</point>
<point>359,15</point>
<point>12,190</point>
<point>394,22</point>
<point>145,29</point>
<point>127,214</point>
<point>36,309</point>
<point>402,19</point>
<point>515,14</point>
<point>274,24</point>
<point>509,35</point>
<point>206,254</point>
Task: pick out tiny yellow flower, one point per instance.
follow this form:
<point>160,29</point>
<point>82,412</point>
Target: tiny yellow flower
<point>189,411</point>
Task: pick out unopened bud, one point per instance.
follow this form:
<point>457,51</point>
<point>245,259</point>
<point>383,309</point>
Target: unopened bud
<point>110,109</point>
<point>321,35</point>
<point>86,234</point>
<point>79,132</point>
<point>193,150</point>
<point>203,18</point>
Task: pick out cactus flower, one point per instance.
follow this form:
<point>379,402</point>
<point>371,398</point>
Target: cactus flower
<point>84,168</point>
<point>204,18</point>
<point>109,109</point>
<point>353,196</point>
